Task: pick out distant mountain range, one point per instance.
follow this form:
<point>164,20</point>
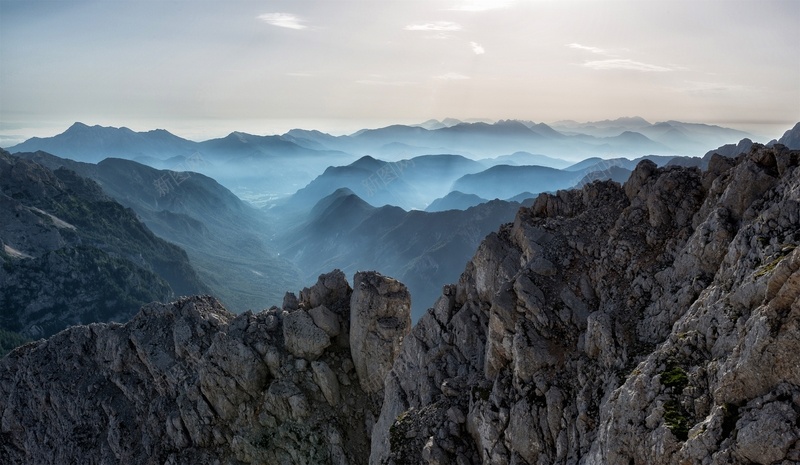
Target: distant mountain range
<point>261,168</point>
<point>682,138</point>
<point>353,202</point>
<point>427,182</point>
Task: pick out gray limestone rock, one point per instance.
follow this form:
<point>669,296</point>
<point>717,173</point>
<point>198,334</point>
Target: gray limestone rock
<point>381,318</point>
<point>304,338</point>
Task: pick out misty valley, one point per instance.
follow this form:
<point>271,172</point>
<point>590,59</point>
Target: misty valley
<point>256,216</point>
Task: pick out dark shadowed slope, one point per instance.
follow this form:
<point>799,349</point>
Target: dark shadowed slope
<point>225,238</point>
<point>72,255</point>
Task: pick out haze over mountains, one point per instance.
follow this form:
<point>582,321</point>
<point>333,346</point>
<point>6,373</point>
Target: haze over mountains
<point>265,167</point>
<point>328,201</point>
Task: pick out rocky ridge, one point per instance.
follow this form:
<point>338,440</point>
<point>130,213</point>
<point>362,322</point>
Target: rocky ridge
<point>650,323</point>
<point>194,383</point>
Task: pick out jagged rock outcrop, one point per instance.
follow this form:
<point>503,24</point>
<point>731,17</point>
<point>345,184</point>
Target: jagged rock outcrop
<point>650,323</point>
<point>382,319</point>
<point>190,382</point>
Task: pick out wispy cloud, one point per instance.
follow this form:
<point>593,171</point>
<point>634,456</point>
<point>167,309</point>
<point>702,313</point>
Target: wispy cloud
<point>477,48</point>
<point>379,82</point>
<point>452,77</point>
<point>286,20</point>
<point>597,50</point>
<point>626,64</point>
<point>702,87</point>
<point>435,26</point>
<point>481,5</point>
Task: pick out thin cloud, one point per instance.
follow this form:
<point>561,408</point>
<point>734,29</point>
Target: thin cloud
<point>700,87</point>
<point>477,48</point>
<point>481,5</point>
<point>299,74</point>
<point>587,48</point>
<point>451,77</point>
<point>377,82</point>
<point>286,20</point>
<point>626,64</point>
<point>435,26</point>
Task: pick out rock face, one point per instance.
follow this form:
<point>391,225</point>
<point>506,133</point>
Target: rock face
<point>188,383</point>
<point>653,323</point>
<point>382,319</point>
<point>657,322</point>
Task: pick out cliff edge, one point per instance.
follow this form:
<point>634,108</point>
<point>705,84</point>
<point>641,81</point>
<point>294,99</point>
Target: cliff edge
<point>650,323</point>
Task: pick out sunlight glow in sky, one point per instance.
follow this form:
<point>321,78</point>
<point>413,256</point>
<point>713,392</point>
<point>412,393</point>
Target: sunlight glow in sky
<point>203,68</point>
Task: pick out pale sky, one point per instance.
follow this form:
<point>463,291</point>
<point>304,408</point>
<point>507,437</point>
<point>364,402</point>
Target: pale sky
<point>202,69</point>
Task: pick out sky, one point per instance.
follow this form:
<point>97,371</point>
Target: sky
<point>202,69</point>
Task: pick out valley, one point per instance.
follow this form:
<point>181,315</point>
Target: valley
<point>325,202</point>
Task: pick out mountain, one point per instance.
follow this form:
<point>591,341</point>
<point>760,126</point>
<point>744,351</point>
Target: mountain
<point>730,150</point>
<point>635,141</point>
<point>599,164</point>
<point>503,181</point>
<point>409,184</point>
<point>253,166</point>
<point>455,200</point>
<point>525,158</point>
<point>508,182</point>
<point>584,164</point>
<point>486,140</point>
<point>94,143</point>
<point>613,173</point>
<point>423,249</point>
<point>680,138</point>
<point>525,198</point>
<point>226,239</point>
<point>261,169</point>
<point>432,124</point>
<point>615,126</point>
<point>71,255</point>
<point>791,138</point>
<point>607,325</point>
